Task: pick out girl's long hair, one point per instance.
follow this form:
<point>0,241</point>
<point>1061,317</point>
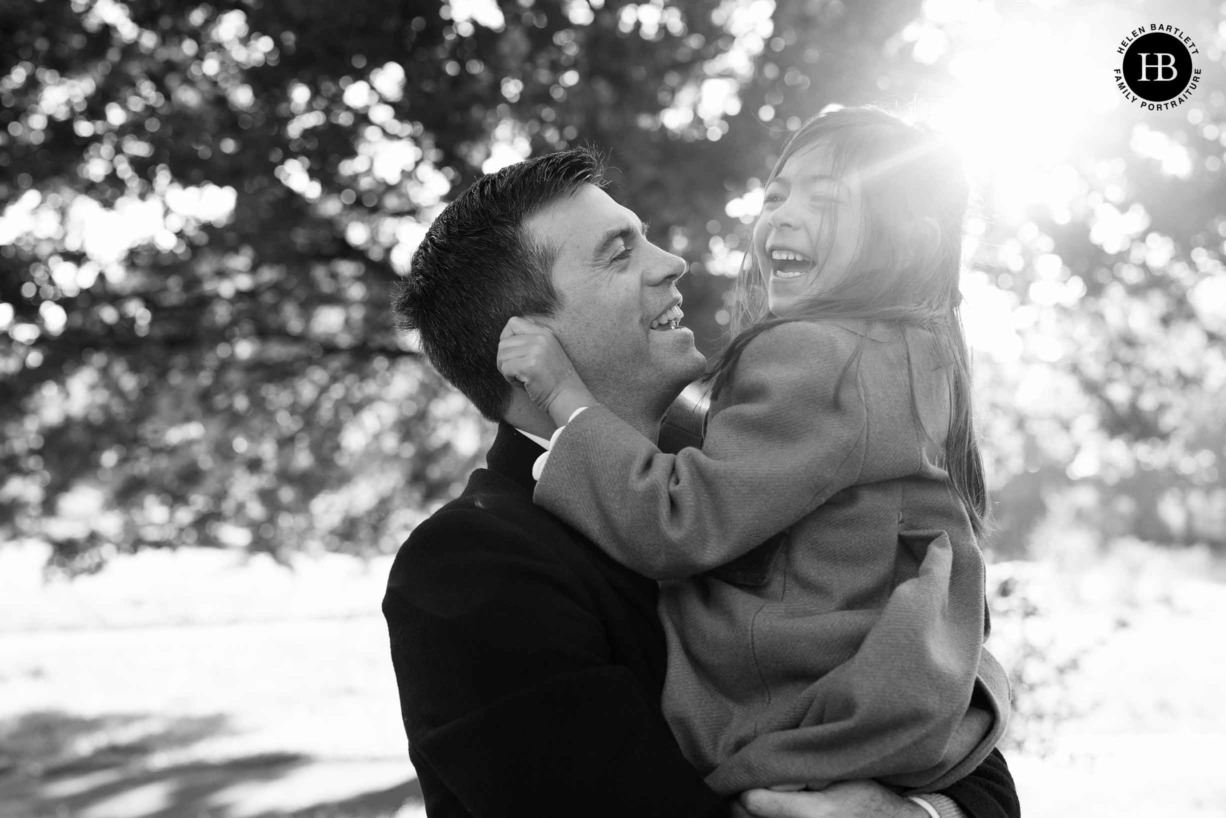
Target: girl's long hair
<point>904,274</point>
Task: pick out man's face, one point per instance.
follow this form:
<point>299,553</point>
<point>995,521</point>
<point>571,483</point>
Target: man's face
<point>618,297</point>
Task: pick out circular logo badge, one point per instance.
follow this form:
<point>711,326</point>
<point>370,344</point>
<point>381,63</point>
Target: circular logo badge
<point>1157,66</point>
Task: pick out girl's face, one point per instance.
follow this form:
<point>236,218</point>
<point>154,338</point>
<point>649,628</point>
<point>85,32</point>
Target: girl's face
<point>808,236</point>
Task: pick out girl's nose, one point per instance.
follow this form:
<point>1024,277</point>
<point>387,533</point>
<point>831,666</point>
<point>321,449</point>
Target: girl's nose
<point>784,216</point>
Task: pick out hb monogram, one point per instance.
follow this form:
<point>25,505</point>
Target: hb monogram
<point>1157,72</point>
<point>1163,63</point>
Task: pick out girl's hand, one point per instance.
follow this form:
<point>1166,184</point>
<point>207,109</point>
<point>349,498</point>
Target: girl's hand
<point>529,355</point>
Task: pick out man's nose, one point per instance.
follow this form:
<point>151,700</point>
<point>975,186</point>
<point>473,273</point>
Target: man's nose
<point>667,269</point>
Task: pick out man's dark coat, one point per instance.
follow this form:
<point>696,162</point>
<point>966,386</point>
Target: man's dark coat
<point>530,667</point>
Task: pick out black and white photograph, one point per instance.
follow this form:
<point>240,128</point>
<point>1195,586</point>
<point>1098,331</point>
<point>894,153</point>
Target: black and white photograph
<point>612,408</point>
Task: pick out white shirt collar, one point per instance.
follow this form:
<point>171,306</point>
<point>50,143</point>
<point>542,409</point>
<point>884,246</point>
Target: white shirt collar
<point>540,441</point>
<point>539,466</point>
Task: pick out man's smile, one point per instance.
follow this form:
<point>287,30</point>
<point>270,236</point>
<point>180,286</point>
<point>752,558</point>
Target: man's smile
<point>670,319</point>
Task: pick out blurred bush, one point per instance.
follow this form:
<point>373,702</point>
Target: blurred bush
<point>1041,653</point>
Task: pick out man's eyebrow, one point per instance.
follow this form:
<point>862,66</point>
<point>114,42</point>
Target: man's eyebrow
<point>615,234</point>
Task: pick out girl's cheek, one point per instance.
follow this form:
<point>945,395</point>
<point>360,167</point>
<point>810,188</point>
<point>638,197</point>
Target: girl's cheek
<point>759,234</point>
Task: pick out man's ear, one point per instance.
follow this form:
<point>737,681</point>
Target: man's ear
<point>546,321</point>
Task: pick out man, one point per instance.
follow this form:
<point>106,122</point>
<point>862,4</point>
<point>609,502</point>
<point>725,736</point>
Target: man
<point>530,664</point>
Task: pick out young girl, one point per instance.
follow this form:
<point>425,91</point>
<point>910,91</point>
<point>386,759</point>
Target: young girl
<point>828,615</point>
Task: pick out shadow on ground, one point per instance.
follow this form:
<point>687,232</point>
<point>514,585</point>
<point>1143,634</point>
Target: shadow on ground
<point>132,765</point>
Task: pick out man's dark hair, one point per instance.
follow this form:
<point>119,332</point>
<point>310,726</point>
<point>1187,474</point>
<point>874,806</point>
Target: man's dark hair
<point>477,267</point>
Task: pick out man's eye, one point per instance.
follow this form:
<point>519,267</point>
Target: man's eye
<point>623,255</point>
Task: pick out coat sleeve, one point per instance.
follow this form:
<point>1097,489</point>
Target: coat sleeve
<point>789,433</point>
<point>988,791</point>
<point>507,688</point>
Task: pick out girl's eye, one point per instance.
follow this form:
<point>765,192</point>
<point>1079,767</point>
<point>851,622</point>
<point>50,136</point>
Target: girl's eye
<point>773,198</point>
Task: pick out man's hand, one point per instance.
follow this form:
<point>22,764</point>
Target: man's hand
<point>848,799</point>
<point>530,355</point>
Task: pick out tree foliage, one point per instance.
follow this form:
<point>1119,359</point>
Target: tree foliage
<point>205,205</point>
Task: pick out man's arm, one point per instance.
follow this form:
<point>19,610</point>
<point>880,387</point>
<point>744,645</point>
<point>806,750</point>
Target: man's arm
<point>508,689</point>
<point>988,792</point>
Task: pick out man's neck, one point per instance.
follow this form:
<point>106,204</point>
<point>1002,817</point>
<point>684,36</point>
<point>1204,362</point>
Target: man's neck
<point>525,417</point>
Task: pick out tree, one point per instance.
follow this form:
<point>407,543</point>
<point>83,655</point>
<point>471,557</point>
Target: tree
<point>205,205</point>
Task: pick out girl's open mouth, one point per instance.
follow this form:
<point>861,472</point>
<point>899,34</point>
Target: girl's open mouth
<point>789,263</point>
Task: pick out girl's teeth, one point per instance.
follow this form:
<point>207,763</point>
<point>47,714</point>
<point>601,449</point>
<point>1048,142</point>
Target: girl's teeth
<point>789,264</point>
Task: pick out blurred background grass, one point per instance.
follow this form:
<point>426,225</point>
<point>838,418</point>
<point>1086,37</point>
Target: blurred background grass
<point>202,682</point>
<point>213,437</point>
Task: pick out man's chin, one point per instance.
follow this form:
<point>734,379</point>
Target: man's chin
<point>686,364</point>
<point>682,337</point>
<point>676,360</point>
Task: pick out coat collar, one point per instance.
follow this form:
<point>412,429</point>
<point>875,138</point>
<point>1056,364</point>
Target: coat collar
<point>876,330</point>
<point>513,454</point>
